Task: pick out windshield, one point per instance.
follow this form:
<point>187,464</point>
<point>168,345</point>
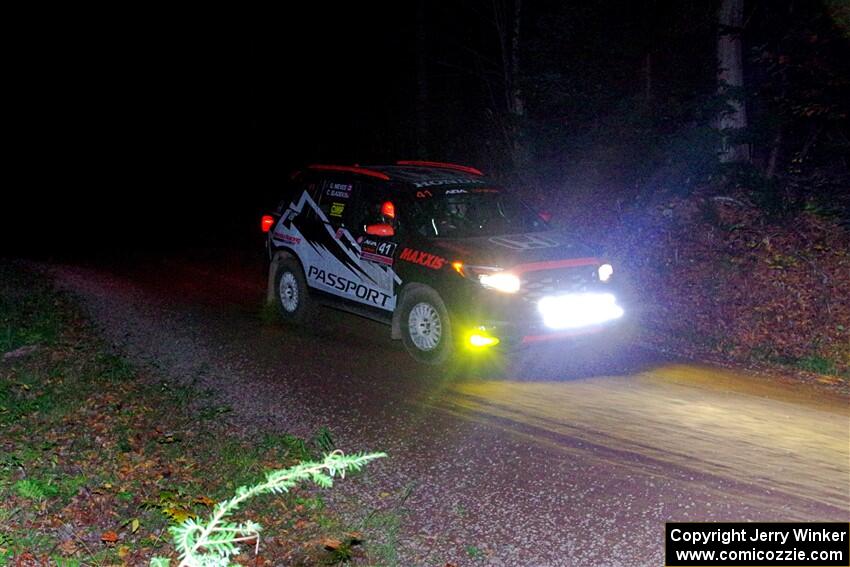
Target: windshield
<point>462,213</point>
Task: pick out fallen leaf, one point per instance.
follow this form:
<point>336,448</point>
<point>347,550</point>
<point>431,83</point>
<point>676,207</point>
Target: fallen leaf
<point>68,547</point>
<point>109,537</point>
<point>331,543</point>
<point>179,515</point>
<point>205,500</point>
<point>123,551</point>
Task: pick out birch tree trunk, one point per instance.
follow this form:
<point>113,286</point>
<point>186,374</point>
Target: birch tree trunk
<point>730,79</point>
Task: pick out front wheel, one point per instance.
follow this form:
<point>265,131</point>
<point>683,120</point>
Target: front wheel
<point>426,329</point>
<point>292,297</point>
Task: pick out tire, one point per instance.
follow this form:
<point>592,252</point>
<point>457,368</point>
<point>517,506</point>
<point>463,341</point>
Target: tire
<point>426,328</point>
<point>291,294</point>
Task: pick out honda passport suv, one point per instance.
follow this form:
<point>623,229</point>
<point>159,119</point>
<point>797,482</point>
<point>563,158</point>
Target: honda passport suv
<point>449,260</point>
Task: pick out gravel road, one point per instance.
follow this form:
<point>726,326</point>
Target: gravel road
<point>560,458</point>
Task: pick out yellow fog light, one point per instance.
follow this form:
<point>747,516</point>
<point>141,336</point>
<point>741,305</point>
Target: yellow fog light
<point>479,340</point>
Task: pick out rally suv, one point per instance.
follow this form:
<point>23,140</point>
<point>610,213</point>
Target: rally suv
<point>437,251</point>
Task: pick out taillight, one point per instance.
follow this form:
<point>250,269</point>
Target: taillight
<point>266,223</point>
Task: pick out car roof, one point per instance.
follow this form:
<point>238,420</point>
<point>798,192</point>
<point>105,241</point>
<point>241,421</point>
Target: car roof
<point>412,174</point>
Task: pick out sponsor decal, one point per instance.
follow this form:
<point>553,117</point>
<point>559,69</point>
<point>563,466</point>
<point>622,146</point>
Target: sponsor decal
<point>337,209</point>
<point>345,285</point>
<point>448,181</point>
<point>374,251</point>
<point>422,258</point>
<point>288,238</point>
<point>424,194</point>
<point>455,191</point>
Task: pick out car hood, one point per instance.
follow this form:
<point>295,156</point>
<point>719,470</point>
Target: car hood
<point>507,251</point>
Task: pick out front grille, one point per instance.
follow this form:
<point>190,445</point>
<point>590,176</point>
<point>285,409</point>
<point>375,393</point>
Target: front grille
<point>539,283</point>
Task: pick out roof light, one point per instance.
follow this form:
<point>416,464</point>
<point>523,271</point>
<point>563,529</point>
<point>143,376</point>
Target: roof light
<point>388,209</point>
<point>605,272</point>
<point>440,164</point>
<point>351,169</point>
<point>266,223</point>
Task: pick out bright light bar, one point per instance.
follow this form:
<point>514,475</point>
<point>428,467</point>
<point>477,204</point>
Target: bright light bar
<point>576,310</point>
<point>605,272</point>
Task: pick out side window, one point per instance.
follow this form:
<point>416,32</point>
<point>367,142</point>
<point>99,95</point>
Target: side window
<point>294,189</point>
<point>313,187</point>
<point>336,201</point>
<point>376,206</point>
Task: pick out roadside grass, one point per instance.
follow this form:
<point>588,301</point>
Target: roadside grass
<point>818,365</point>
<point>97,459</point>
<point>695,344</point>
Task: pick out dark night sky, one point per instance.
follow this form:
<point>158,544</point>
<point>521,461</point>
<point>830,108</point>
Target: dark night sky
<point>154,120</point>
<point>175,127</point>
<point>152,117</point>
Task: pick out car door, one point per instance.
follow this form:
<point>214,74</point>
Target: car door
<point>376,230</point>
<point>329,251</point>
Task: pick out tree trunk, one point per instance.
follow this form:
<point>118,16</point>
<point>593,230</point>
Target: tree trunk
<point>421,83</point>
<point>730,79</point>
<point>773,157</point>
<point>515,101</point>
<point>517,104</point>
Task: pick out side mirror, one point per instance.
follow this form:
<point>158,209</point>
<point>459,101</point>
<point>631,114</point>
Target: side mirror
<point>380,230</point>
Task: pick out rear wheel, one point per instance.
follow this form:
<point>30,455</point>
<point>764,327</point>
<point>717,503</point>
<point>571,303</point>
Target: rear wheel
<point>426,329</point>
<point>291,295</point>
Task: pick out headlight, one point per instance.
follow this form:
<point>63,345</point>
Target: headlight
<point>605,272</point>
<point>500,281</point>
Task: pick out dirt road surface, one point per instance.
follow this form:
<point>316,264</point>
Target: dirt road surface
<point>562,457</point>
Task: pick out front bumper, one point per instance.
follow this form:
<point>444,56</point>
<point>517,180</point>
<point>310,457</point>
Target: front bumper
<point>517,320</point>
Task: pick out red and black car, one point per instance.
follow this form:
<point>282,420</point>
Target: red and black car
<point>448,259</point>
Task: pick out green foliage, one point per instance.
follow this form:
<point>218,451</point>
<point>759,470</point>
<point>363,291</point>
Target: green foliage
<point>35,489</point>
<point>38,489</point>
<point>839,11</point>
<point>29,319</point>
<point>293,447</point>
<point>114,368</point>
<point>474,552</point>
<point>817,364</point>
<point>323,440</point>
<point>214,541</point>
